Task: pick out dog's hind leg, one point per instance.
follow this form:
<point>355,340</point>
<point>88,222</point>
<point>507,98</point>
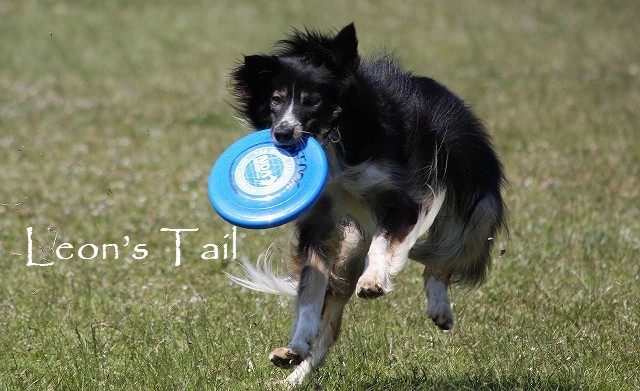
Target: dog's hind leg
<point>457,250</point>
<point>439,306</point>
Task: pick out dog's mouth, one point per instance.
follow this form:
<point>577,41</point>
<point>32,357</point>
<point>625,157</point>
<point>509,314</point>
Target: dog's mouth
<point>287,138</point>
<point>286,142</point>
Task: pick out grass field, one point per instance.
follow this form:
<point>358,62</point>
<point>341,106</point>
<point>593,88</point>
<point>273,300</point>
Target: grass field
<point>112,113</point>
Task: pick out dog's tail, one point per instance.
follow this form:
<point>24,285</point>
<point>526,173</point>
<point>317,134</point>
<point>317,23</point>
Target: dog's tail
<point>262,277</point>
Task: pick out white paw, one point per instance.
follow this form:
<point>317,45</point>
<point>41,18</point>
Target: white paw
<point>285,357</point>
<point>369,288</point>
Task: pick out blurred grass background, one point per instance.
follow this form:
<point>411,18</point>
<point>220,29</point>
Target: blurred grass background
<point>112,113</point>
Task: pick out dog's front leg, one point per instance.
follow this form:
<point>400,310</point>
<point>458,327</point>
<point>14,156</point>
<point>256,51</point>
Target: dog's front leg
<point>313,285</point>
<point>316,230</point>
<point>386,256</point>
<point>397,215</point>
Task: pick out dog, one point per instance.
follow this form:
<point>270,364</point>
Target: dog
<point>413,175</point>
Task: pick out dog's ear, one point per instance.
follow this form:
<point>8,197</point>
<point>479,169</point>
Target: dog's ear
<point>338,53</point>
<point>261,66</point>
<point>253,75</point>
<point>251,85</point>
<point>345,46</point>
<point>258,69</point>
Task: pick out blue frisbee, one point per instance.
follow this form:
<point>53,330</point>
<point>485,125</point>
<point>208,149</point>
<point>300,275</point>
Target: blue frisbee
<point>257,184</point>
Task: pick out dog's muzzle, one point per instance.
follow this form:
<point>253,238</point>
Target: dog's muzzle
<point>286,133</point>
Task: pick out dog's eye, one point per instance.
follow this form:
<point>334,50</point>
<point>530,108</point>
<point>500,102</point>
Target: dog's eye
<point>276,100</point>
<point>312,101</point>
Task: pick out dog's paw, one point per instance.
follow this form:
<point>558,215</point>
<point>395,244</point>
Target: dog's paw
<point>285,357</point>
<point>369,288</point>
<point>441,315</point>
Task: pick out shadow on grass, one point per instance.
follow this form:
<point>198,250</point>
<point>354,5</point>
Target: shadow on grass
<point>420,380</point>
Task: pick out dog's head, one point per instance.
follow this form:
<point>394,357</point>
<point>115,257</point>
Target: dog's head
<point>297,90</point>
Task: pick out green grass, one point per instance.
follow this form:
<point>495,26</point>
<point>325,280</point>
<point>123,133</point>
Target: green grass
<point>112,113</point>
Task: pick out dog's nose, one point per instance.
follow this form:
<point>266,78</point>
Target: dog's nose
<point>282,136</point>
<point>283,133</point>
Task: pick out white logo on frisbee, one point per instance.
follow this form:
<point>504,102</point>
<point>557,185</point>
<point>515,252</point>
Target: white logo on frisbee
<point>264,171</point>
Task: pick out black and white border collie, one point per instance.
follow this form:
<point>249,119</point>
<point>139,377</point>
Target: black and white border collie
<point>413,174</point>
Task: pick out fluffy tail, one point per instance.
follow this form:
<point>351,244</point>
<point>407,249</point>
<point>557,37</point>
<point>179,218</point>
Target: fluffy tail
<point>262,278</point>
